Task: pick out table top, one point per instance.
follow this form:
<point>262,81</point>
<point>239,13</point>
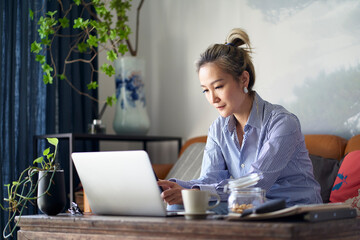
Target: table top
<point>163,227</point>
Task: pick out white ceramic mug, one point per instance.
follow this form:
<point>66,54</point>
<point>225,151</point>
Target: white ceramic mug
<point>197,201</point>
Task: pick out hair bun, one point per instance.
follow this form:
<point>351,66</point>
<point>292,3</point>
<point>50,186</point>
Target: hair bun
<point>238,37</point>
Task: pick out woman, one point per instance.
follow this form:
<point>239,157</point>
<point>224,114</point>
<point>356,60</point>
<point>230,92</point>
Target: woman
<point>250,135</point>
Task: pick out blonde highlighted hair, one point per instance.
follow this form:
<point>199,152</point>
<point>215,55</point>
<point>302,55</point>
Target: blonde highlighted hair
<point>233,57</point>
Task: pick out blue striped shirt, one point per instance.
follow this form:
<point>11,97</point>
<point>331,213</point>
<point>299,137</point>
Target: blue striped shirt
<point>273,144</point>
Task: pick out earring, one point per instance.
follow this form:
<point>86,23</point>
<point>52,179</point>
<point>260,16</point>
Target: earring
<point>246,90</point>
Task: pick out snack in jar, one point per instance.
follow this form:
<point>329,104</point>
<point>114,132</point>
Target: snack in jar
<point>242,196</point>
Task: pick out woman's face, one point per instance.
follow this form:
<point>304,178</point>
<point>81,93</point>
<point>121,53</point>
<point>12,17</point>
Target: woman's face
<point>221,89</point>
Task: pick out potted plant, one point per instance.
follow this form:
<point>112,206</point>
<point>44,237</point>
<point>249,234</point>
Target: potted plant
<point>102,26</point>
<point>36,182</point>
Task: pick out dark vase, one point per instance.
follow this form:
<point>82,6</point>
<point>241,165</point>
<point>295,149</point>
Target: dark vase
<point>54,201</point>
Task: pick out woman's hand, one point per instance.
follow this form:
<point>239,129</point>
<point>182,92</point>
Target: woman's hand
<point>171,192</point>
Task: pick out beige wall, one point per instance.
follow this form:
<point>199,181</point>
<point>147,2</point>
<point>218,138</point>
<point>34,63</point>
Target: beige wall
<point>294,45</point>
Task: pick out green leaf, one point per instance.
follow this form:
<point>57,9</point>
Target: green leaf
<point>47,78</point>
<point>46,151</point>
<point>38,160</point>
<point>77,2</point>
<point>92,85</point>
<point>110,100</point>
<point>15,183</point>
<point>41,20</point>
<point>7,185</point>
<point>103,37</point>
<point>49,156</point>
<point>108,69</point>
<point>113,34</point>
<point>64,22</point>
<point>51,14</point>
<point>51,22</point>
<point>40,58</point>
<point>111,56</point>
<point>53,141</point>
<point>101,11</point>
<point>31,13</point>
<point>95,24</point>
<point>82,47</point>
<point>123,31</point>
<point>123,49</point>
<point>62,76</point>
<point>50,79</point>
<point>36,47</point>
<point>47,68</point>
<point>43,33</point>
<point>46,41</point>
<point>80,23</point>
<point>46,25</point>
<point>92,41</point>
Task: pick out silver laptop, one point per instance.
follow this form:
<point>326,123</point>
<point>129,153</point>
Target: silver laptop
<point>120,183</point>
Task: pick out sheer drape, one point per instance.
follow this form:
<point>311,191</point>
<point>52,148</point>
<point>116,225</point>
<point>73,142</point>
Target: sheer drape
<point>27,106</point>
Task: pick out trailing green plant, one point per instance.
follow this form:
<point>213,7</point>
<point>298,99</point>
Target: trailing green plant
<point>101,31</point>
<point>24,189</point>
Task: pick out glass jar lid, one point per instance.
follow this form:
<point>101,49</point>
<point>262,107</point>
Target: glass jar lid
<point>244,182</point>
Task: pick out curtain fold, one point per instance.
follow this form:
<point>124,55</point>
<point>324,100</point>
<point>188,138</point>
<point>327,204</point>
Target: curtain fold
<point>27,106</point>
<point>22,94</point>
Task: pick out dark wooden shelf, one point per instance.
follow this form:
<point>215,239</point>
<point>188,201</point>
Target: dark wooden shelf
<point>72,137</point>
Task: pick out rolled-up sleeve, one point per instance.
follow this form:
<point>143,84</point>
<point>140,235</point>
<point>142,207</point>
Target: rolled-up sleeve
<point>214,172</point>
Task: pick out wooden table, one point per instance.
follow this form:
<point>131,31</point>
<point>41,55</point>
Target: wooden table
<point>90,226</point>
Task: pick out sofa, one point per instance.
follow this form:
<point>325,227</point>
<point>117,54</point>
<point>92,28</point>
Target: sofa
<point>326,153</point>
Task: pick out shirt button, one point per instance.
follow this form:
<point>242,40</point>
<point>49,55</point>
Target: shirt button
<point>242,165</point>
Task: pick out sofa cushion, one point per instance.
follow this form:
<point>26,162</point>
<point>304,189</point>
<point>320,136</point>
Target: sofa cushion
<point>327,146</point>
<point>325,172</point>
<point>347,181</point>
<point>188,166</point>
<point>353,144</point>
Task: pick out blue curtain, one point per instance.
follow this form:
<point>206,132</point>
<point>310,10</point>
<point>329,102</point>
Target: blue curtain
<point>27,106</point>
<point>22,93</point>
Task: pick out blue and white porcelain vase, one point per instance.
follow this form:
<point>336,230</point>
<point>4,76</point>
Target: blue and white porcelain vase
<point>131,117</point>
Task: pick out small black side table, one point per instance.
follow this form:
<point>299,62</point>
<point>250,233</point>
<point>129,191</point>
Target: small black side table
<point>72,137</point>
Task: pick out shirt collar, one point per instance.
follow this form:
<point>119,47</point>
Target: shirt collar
<point>255,118</point>
<point>230,124</point>
<point>257,112</point>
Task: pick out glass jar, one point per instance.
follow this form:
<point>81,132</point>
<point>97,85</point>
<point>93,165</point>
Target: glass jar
<point>245,198</point>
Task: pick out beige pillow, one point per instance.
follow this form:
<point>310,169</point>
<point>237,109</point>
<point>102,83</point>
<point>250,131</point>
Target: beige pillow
<point>188,166</point>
